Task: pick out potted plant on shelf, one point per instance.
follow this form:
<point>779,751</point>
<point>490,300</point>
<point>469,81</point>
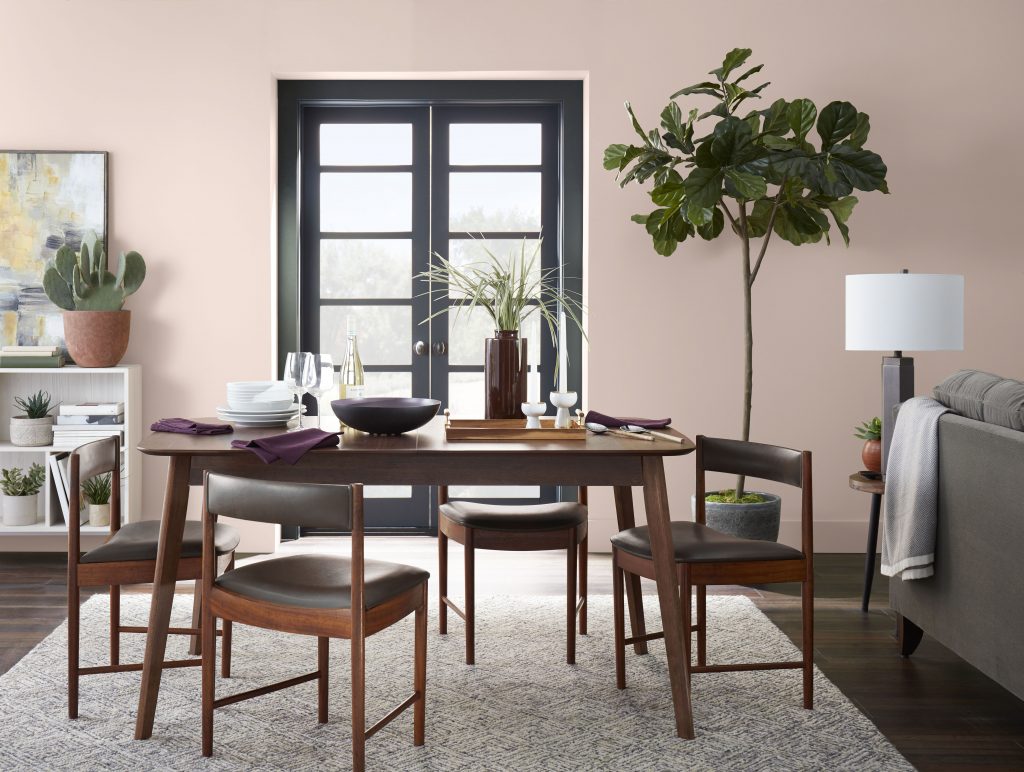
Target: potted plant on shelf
<point>509,291</point>
<point>96,327</point>
<point>871,453</point>
<point>759,173</point>
<point>35,427</point>
<point>97,493</point>
<point>21,494</point>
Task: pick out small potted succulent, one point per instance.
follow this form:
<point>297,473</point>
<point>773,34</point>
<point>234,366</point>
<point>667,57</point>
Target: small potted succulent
<point>21,494</point>
<point>97,493</point>
<point>96,328</point>
<point>35,426</point>
<point>871,453</point>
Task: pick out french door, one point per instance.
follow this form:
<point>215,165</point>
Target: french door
<point>386,185</point>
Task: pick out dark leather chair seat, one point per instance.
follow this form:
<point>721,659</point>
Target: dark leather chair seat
<point>138,541</point>
<point>501,517</point>
<point>695,543</point>
<point>319,581</point>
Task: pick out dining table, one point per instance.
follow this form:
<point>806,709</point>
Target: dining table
<point>426,457</point>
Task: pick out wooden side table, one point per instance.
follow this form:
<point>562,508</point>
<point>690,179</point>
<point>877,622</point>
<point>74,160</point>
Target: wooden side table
<point>859,481</point>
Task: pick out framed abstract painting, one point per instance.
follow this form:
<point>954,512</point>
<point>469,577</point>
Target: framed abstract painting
<point>47,199</point>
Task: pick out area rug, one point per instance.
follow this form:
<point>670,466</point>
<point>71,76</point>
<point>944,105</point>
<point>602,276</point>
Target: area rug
<point>520,708</point>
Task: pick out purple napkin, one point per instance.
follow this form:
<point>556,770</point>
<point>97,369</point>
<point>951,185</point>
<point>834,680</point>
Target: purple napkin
<point>593,416</point>
<point>290,446</point>
<point>187,426</point>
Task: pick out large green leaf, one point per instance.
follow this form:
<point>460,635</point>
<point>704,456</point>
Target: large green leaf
<point>704,186</point>
<point>713,228</point>
<point>698,215</point>
<point>636,124</point>
<point>745,185</point>
<point>863,169</point>
<point>733,59</point>
<point>757,219</point>
<point>748,73</point>
<point>860,131</point>
<point>786,229</point>
<point>613,155</point>
<point>667,194</point>
<point>800,116</point>
<point>707,87</point>
<point>836,122</point>
<point>841,211</point>
<point>776,118</point>
<point>732,143</point>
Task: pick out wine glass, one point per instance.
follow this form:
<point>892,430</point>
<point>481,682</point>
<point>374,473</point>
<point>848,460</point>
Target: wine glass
<point>323,368</point>
<point>298,373</point>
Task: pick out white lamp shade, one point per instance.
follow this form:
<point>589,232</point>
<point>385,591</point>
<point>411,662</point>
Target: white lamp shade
<point>904,312</point>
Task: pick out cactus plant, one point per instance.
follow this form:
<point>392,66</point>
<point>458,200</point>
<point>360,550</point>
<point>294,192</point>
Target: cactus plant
<point>82,282</point>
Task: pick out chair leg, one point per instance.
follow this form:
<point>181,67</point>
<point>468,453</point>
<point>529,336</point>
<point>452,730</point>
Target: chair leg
<point>470,608</point>
<point>420,673</point>
<point>322,658</point>
<point>442,583</point>
<point>687,591</point>
<point>115,624</point>
<point>618,601</point>
<point>73,617</point>
<point>225,640</point>
<point>807,602</point>
<point>195,645</point>
<point>702,624</point>
<point>583,585</point>
<point>209,648</point>
<point>358,703</point>
<point>572,565</point>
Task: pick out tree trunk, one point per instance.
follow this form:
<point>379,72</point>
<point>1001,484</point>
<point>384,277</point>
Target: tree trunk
<point>748,328</point>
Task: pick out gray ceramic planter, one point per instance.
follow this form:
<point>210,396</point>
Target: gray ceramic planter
<point>31,432</point>
<point>748,521</point>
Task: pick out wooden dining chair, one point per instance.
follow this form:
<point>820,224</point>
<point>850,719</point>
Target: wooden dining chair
<point>705,556</point>
<point>502,527</point>
<point>320,595</point>
<point>128,556</point>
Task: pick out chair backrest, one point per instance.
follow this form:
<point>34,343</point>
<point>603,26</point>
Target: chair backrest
<point>89,460</point>
<point>766,462</point>
<point>287,503</point>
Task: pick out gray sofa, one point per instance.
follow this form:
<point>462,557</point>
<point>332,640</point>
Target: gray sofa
<point>974,604</point>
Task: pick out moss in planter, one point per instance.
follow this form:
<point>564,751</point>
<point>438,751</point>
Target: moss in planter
<point>729,497</point>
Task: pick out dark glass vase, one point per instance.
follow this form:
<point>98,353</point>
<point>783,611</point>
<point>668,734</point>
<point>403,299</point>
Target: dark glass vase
<point>504,375</point>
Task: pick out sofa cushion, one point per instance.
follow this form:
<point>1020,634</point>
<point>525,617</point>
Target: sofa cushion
<point>984,397</point>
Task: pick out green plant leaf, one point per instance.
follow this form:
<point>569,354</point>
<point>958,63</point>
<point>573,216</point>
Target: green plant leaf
<point>698,215</point>
<point>731,142</point>
<point>672,119</point>
<point>57,289</point>
<point>860,131</point>
<point>800,116</point>
<point>640,218</point>
<point>704,186</point>
<point>668,194</point>
<point>776,118</point>
<point>636,124</point>
<point>841,211</point>
<point>748,73</point>
<point>733,59</point>
<point>713,228</point>
<point>748,186</point>
<point>64,261</point>
<point>613,155</point>
<point>707,87</point>
<point>836,122</point>
<point>863,169</point>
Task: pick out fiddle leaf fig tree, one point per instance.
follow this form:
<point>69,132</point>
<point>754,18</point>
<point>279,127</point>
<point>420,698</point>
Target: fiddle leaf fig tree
<point>787,170</point>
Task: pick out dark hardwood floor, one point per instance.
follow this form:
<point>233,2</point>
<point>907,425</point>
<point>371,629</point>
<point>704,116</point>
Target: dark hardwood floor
<point>941,713</point>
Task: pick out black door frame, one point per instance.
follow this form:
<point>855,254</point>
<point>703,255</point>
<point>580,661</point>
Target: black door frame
<point>296,96</point>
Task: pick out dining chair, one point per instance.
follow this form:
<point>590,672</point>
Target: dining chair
<point>128,556</point>
<point>704,556</point>
<point>531,527</point>
<point>319,595</point>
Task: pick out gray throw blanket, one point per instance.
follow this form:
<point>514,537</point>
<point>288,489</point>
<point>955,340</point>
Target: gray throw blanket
<point>912,491</point>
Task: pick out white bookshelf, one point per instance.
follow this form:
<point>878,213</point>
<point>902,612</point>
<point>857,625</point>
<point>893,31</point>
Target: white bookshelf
<point>70,385</point>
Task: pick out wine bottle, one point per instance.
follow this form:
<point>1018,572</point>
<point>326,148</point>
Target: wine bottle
<point>353,377</point>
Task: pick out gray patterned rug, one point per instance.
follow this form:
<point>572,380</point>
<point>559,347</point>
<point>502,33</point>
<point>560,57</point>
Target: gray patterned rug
<point>520,708</point>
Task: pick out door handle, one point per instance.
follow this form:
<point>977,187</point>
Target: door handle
<point>420,348</point>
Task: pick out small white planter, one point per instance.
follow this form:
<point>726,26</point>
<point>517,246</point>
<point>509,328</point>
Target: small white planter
<point>99,514</point>
<point>31,432</point>
<point>20,510</point>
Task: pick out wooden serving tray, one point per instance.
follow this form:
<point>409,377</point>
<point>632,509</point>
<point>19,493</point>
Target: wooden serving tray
<point>509,430</point>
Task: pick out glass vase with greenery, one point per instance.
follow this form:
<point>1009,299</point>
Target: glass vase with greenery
<point>757,172</point>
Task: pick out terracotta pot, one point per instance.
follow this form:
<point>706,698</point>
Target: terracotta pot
<point>871,455</point>
<point>504,375</point>
<point>97,338</point>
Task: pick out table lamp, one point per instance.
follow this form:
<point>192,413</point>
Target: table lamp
<point>902,312</point>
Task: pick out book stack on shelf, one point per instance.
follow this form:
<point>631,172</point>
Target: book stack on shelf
<point>84,422</point>
<point>31,356</point>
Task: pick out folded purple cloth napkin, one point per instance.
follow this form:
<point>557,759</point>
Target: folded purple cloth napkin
<point>290,446</point>
<point>188,426</point>
<point>593,416</point>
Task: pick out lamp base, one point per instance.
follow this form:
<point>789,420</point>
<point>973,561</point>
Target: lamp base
<point>897,387</point>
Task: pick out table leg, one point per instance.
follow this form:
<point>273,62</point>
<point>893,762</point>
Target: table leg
<point>634,598</point>
<point>871,550</point>
<point>172,528</point>
<point>656,503</point>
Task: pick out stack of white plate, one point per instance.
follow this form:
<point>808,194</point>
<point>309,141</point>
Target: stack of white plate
<point>259,403</point>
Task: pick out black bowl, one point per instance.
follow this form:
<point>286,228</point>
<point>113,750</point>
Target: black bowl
<point>385,415</point>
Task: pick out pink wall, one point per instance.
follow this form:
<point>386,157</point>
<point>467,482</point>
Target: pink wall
<point>182,95</point>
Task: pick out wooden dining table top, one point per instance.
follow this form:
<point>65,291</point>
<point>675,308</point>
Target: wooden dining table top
<point>426,441</point>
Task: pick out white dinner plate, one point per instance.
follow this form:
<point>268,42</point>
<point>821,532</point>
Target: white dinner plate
<point>257,414</point>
